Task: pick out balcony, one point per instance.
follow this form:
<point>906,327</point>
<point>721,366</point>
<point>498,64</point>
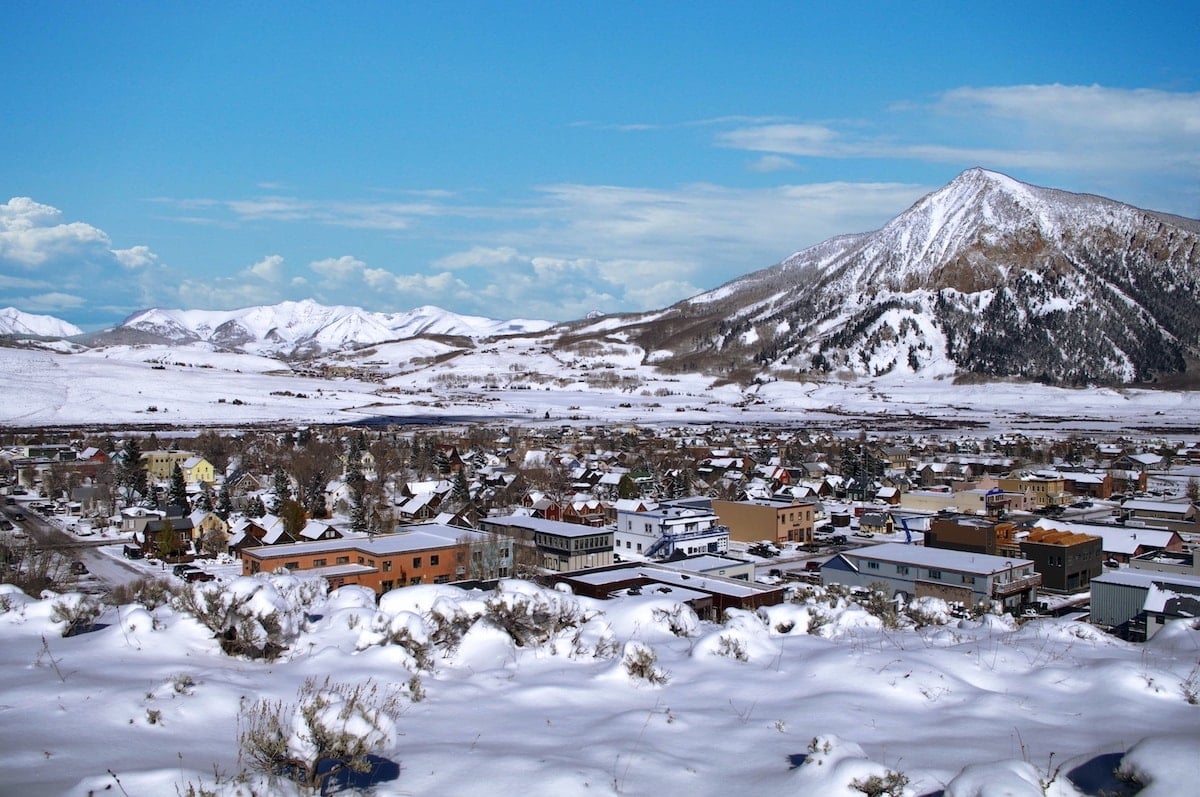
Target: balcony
<point>1013,586</point>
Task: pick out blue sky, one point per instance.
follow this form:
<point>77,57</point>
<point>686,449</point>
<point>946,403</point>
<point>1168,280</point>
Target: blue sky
<point>542,160</point>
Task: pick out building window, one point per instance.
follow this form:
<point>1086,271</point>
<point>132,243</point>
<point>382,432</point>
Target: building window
<point>414,580</point>
<point>433,560</point>
<point>416,561</point>
<point>872,565</point>
<point>387,565</point>
<point>318,563</point>
<point>968,579</point>
<point>935,574</point>
<point>387,586</point>
<point>342,560</point>
<point>292,565</point>
<point>902,570</point>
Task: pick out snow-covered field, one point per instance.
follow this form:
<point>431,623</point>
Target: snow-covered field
<point>767,703</point>
<point>519,382</point>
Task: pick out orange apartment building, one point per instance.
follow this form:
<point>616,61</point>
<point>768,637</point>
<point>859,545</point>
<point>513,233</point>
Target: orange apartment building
<point>429,553</point>
<point>777,521</point>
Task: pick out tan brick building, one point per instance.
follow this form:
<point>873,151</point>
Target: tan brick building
<point>777,521</point>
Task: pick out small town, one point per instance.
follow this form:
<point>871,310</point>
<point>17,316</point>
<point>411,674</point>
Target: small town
<point>716,517</point>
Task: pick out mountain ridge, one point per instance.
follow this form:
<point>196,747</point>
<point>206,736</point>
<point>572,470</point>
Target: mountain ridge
<point>984,277</point>
<point>298,328</point>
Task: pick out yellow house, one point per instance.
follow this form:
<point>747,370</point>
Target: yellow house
<point>161,464</point>
<point>197,469</point>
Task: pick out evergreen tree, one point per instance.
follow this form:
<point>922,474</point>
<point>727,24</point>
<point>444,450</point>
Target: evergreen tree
<point>204,501</point>
<point>359,510</point>
<point>293,516</point>
<point>178,492</point>
<point>626,487</point>
<point>131,476</point>
<point>224,506</point>
<point>255,507</point>
<point>314,497</point>
<point>166,541</point>
<point>461,491</point>
<point>283,490</point>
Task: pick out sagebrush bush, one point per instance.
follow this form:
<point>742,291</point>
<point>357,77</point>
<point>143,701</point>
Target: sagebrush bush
<point>333,728</point>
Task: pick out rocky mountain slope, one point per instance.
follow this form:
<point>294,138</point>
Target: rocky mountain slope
<point>984,276</point>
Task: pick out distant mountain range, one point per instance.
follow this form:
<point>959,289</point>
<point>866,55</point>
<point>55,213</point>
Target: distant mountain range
<point>293,329</point>
<point>986,276</point>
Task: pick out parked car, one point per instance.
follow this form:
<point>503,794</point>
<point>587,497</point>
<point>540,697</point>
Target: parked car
<point>6,525</point>
<point>196,574</point>
<point>18,516</point>
<point>182,570</point>
<point>79,569</point>
<point>131,552</point>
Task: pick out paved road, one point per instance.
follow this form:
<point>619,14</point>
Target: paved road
<point>105,570</point>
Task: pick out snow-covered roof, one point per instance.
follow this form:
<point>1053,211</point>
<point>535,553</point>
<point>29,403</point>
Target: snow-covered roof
<point>556,527</point>
<point>413,538</point>
<point>942,558</point>
<point>1166,507</point>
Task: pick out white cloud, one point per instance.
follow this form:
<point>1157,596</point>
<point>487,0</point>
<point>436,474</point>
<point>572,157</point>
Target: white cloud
<point>270,268</point>
<point>478,256</point>
<point>386,215</point>
<point>21,283</point>
<point>32,234</point>
<point>51,302</point>
<point>772,163</point>
<point>135,257</point>
<point>1049,127</point>
<point>338,268</point>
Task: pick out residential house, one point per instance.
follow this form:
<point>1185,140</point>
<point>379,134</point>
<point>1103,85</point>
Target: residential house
<point>167,537</point>
<point>419,508</point>
<point>954,576</point>
<point>251,532</point>
<point>876,523</point>
<point>585,510</point>
<point>205,523</point>
<point>197,470</point>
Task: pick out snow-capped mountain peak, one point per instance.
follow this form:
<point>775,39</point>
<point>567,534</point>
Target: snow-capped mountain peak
<point>15,322</point>
<point>986,274</point>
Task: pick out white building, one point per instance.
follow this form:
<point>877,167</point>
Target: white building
<point>660,532</point>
